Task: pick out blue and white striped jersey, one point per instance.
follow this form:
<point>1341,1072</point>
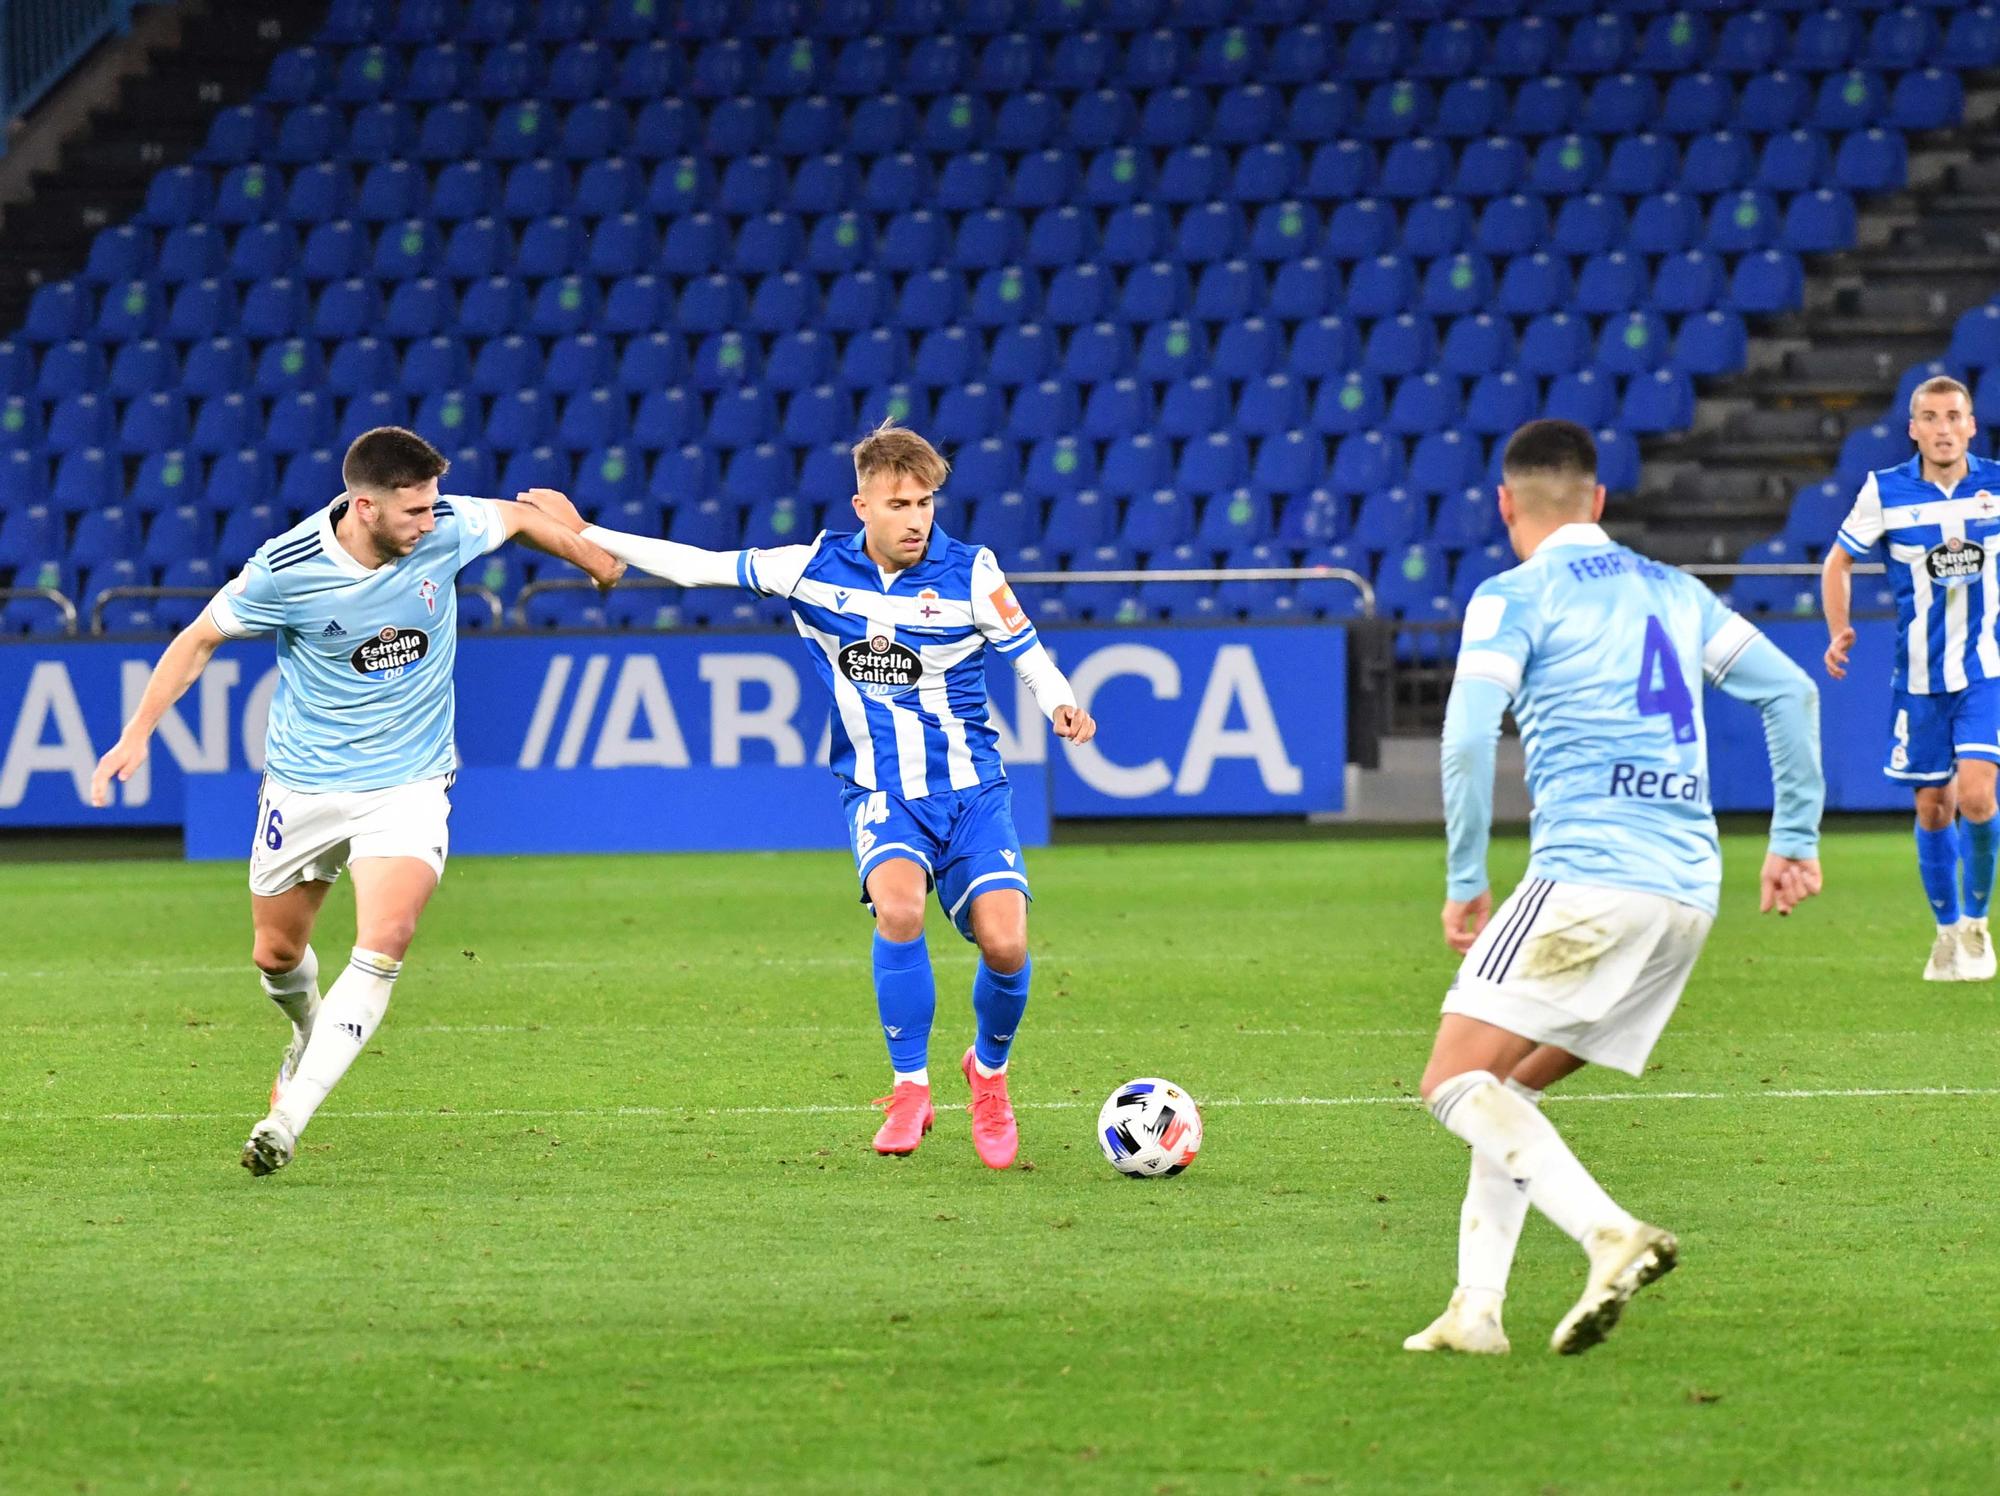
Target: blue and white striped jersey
<point>902,654</point>
<point>364,699</point>
<point>1941,567</point>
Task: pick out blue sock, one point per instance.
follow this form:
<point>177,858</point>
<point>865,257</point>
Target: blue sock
<point>997,1004</point>
<point>1937,865</point>
<point>1980,851</point>
<point>906,998</point>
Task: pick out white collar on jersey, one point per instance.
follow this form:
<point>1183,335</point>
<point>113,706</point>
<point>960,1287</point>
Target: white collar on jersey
<point>339,554</point>
<point>1574,535</point>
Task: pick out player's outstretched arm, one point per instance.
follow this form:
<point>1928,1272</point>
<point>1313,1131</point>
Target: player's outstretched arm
<point>1759,672</point>
<point>533,526</point>
<point>670,561</point>
<point>180,667</point>
<point>1836,595</point>
<point>1472,718</point>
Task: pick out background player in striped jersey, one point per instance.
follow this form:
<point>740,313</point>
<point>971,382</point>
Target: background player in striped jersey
<point>1938,518</point>
<point>897,618</point>
<point>1600,653</point>
<point>364,601</point>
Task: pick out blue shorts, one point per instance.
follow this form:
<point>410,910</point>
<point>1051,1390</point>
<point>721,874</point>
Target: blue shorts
<point>1929,734</point>
<point>964,840</point>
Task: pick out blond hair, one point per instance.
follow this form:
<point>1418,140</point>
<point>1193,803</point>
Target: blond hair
<point>1938,384</point>
<point>890,448</point>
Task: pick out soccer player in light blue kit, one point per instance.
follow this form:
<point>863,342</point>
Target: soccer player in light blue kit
<point>363,598</point>
<point>1601,654</point>
<point>1938,518</point>
<point>897,618</point>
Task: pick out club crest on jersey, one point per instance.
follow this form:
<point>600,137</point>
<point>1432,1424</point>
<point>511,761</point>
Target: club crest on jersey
<point>1956,561</point>
<point>428,591</point>
<point>1988,505</point>
<point>928,596</point>
<point>880,667</point>
<point>390,652</point>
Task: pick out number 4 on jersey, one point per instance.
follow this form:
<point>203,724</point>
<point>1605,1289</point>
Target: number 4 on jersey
<point>1662,689</point>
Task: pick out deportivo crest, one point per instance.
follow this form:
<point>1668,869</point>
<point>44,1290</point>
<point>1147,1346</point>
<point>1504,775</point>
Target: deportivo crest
<point>390,652</point>
<point>880,667</point>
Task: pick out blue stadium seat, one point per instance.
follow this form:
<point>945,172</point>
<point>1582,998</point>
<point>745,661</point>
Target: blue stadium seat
<point>1769,282</point>
<point>1545,106</point>
<point>1364,463</point>
<point>69,369</point>
<point>1656,402</point>
<point>1589,224</point>
<point>1157,522</point>
<point>1499,403</point>
<point>1930,98</point>
<point>1314,518</point>
<point>77,422</point>
<point>1749,42</point>
<point>1872,160</point>
<point>1290,462</point>
<point>1588,397</point>
<point>1852,100</point>
<point>1389,520</point>
<point>192,252</point>
<point>86,478</point>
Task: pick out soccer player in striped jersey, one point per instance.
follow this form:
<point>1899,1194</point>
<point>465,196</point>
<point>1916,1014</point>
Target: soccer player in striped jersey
<point>1938,518</point>
<point>1600,654</point>
<point>897,617</point>
<point>363,598</point>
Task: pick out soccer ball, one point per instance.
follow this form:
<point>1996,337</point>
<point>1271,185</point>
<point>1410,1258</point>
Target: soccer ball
<point>1148,1128</point>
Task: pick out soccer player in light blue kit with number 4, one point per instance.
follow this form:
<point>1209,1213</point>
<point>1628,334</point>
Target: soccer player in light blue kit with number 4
<point>363,598</point>
<point>1600,653</point>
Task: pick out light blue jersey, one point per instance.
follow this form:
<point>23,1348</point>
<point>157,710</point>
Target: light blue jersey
<point>364,699</point>
<point>903,655</point>
<point>1942,546</point>
<point>1602,654</point>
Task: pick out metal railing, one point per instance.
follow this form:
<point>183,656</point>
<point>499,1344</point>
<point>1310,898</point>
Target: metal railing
<point>41,40</point>
<point>48,595</point>
<point>1363,588</point>
<point>112,594</point>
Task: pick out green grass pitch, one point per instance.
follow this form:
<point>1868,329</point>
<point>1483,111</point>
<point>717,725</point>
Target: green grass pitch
<point>597,1211</point>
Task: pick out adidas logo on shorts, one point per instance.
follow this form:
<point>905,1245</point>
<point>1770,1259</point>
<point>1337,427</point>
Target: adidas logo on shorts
<point>333,630</point>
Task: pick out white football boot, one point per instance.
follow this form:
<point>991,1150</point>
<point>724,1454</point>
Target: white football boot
<point>1468,1326</point>
<point>270,1148</point>
<point>1943,964</point>
<point>1621,1263</point>
<point>1976,962</point>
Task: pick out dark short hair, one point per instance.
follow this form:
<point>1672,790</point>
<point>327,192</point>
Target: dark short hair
<point>390,457</point>
<point>1556,449</point>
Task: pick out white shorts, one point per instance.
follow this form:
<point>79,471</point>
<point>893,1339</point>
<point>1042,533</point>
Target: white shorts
<point>1595,971</point>
<point>303,836</point>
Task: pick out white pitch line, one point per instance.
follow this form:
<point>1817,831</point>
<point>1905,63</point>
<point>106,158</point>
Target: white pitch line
<point>1862,1093</point>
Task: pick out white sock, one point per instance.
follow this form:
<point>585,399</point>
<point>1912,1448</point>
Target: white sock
<point>1490,1221</point>
<point>347,1020</point>
<point>915,1077</point>
<point>1521,1141</point>
<point>980,1069</point>
<point>295,991</point>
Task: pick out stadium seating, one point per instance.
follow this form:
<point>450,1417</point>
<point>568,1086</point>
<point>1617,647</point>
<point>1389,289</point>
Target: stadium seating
<point>1175,275</point>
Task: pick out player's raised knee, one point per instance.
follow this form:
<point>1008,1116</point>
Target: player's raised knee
<point>275,953</point>
<point>1004,953</point>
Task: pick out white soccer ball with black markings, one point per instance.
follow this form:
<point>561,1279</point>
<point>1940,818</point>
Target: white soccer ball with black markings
<point>1149,1128</point>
